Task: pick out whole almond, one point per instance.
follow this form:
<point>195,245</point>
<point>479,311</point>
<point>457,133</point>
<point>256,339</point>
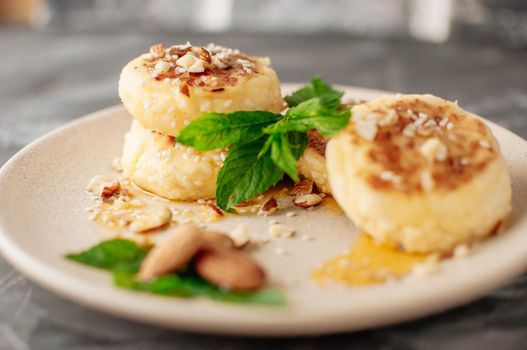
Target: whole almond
<point>230,269</point>
<point>172,253</point>
<point>213,239</point>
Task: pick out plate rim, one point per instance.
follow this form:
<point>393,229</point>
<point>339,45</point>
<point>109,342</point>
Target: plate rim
<point>31,268</point>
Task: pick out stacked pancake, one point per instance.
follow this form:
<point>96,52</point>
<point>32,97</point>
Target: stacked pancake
<point>167,88</point>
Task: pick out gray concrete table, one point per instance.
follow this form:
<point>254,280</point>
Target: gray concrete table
<point>48,78</point>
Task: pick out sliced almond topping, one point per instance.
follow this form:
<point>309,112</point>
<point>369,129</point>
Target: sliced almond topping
<point>191,63</point>
<point>307,200</point>
<point>367,129</point>
<point>433,148</point>
<point>172,253</point>
<point>270,207</point>
<point>219,62</point>
<point>390,118</point>
<point>304,186</point>
<point>161,67</point>
<point>204,55</point>
<point>157,50</point>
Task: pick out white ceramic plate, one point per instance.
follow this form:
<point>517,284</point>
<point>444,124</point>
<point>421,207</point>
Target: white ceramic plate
<point>42,217</point>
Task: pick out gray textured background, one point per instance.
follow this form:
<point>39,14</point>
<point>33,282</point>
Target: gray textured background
<point>50,77</point>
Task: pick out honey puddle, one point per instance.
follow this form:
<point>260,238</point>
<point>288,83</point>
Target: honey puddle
<point>367,263</point>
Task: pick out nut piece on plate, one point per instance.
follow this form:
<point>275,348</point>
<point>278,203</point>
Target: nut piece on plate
<point>414,172</point>
<point>229,269</point>
<point>240,236</point>
<point>304,186</point>
<point>270,207</point>
<point>307,200</point>
<point>172,253</point>
<point>100,186</point>
<point>149,218</point>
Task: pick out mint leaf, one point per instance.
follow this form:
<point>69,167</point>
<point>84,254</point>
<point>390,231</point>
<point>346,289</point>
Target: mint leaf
<point>316,88</point>
<point>245,174</point>
<point>316,113</point>
<point>217,130</point>
<point>115,254</point>
<point>286,149</point>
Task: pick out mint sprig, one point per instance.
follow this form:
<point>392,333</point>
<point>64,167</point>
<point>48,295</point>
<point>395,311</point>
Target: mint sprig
<point>316,88</point>
<point>245,174</point>
<point>217,130</point>
<point>286,149</point>
<point>323,114</point>
<point>265,146</point>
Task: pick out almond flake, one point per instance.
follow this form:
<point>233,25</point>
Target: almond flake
<point>304,186</point>
<point>307,200</point>
<point>157,50</point>
<point>191,63</point>
<point>270,207</point>
<point>151,218</point>
<point>433,148</point>
<point>367,129</point>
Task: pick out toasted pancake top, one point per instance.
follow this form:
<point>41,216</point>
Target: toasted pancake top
<point>212,67</point>
<point>420,142</point>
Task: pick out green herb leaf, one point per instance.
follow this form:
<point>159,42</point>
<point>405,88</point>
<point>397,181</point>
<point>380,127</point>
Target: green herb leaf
<point>245,173</point>
<point>115,254</point>
<point>316,113</point>
<point>316,88</point>
<point>217,130</point>
<point>286,149</point>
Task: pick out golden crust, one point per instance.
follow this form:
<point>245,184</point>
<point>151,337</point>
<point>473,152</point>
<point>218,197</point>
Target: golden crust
<point>408,130</point>
<point>419,173</point>
<point>235,66</point>
<point>166,90</point>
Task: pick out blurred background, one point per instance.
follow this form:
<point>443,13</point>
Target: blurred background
<point>60,59</point>
<point>500,21</point>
